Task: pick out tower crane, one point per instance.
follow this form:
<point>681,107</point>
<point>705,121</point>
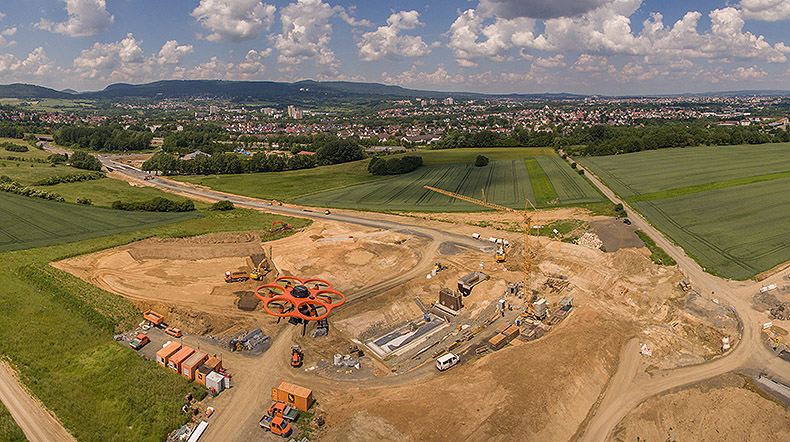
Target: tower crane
<point>526,225</point>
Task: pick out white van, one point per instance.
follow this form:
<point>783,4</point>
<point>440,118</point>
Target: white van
<point>446,361</point>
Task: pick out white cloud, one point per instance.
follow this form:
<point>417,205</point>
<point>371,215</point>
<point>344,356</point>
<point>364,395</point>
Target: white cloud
<point>412,77</point>
<point>386,41</point>
<point>593,63</point>
<point>121,60</point>
<point>251,68</point>
<point>86,17</point>
<point>171,52</point>
<point>36,64</point>
<point>234,20</point>
<point>9,32</point>
<point>306,33</point>
<point>538,8</point>
<point>767,10</point>
<point>471,40</point>
<point>554,61</point>
<point>750,73</point>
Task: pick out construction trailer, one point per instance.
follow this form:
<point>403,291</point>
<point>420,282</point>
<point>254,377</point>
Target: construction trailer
<point>297,397</point>
<point>215,363</point>
<point>201,373</point>
<point>163,355</point>
<point>175,361</point>
<point>466,283</point>
<point>190,366</point>
<point>450,299</point>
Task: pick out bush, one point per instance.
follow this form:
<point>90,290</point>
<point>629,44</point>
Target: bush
<point>72,178</point>
<point>84,201</point>
<point>82,160</point>
<point>57,158</point>
<point>13,147</point>
<point>157,204</point>
<point>574,165</point>
<point>222,205</point>
<point>581,172</point>
<point>394,166</point>
<point>14,187</point>
<point>620,210</point>
<point>481,161</point>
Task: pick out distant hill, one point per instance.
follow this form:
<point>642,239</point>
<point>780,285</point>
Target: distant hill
<point>20,90</point>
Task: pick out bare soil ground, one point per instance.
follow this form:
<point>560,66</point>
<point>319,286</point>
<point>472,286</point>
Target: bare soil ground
<point>715,410</point>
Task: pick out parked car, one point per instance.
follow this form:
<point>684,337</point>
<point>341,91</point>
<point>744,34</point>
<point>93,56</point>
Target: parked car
<point>627,221</point>
<point>175,332</point>
<point>139,341</point>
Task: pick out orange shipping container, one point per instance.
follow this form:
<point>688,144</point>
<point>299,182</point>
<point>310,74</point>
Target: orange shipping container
<point>175,361</point>
<point>166,352</point>
<point>190,366</point>
<point>298,397</point>
<point>215,363</point>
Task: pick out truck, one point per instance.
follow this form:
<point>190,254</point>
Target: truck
<point>236,276</point>
<point>283,410</point>
<point>276,425</point>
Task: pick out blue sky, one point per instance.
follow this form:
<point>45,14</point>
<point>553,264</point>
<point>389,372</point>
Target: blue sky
<point>503,46</point>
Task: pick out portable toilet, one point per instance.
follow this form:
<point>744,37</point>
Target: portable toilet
<point>215,382</point>
<point>201,373</point>
<point>166,352</point>
<point>175,361</point>
<point>190,366</point>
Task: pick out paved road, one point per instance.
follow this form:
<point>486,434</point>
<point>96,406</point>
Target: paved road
<point>35,421</point>
<point>626,392</point>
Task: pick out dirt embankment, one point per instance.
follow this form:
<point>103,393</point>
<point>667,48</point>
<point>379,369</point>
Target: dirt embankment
<point>721,409</point>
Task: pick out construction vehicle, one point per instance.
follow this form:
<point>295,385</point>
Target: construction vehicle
<point>264,267</point>
<point>276,425</point>
<point>236,276</point>
<point>500,254</point>
<point>154,318</point>
<point>148,177</point>
<point>283,410</point>
<point>139,341</point>
<point>283,225</point>
<point>439,267</point>
<point>297,356</point>
<point>526,224</point>
<point>174,332</point>
<point>327,212</point>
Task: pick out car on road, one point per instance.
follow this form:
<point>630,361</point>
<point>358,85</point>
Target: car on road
<point>139,341</point>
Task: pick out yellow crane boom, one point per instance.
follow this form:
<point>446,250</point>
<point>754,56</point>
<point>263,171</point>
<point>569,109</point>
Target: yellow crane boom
<point>526,225</point>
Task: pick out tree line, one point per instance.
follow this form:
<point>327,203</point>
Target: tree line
<point>103,139</point>
<point>394,166</point>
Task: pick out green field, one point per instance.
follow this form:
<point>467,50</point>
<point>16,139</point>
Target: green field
<point>506,182</point>
<point>726,206</point>
<point>663,169</point>
<point>28,222</point>
<point>57,330</point>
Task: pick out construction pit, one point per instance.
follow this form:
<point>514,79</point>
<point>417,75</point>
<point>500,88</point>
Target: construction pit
<point>385,275</point>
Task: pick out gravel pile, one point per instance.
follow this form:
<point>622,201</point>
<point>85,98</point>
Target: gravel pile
<point>590,240</point>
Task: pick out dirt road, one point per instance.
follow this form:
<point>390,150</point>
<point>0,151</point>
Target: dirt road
<point>36,422</point>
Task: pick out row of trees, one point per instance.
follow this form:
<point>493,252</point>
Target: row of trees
<point>334,152</point>
<point>104,139</point>
<point>394,166</point>
<point>11,131</point>
<point>156,204</point>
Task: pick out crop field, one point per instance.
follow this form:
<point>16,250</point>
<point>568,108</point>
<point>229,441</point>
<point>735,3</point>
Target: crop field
<point>568,184</point>
<point>28,222</point>
<point>726,206</point>
<point>506,182</point>
<point>663,169</point>
<point>9,430</point>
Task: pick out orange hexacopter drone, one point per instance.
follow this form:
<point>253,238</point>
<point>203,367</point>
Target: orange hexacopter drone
<point>298,299</point>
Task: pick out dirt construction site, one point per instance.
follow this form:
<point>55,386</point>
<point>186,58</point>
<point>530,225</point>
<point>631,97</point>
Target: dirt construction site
<point>535,362</point>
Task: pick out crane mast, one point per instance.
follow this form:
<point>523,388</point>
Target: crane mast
<point>526,225</point>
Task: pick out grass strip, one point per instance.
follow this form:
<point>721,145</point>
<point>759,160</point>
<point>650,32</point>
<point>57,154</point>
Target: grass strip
<point>657,254</point>
<point>541,185</point>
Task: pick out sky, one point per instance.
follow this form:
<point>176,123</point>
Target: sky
<point>612,47</point>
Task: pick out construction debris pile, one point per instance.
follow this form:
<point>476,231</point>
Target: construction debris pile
<point>589,240</point>
<point>255,341</point>
<point>781,311</point>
